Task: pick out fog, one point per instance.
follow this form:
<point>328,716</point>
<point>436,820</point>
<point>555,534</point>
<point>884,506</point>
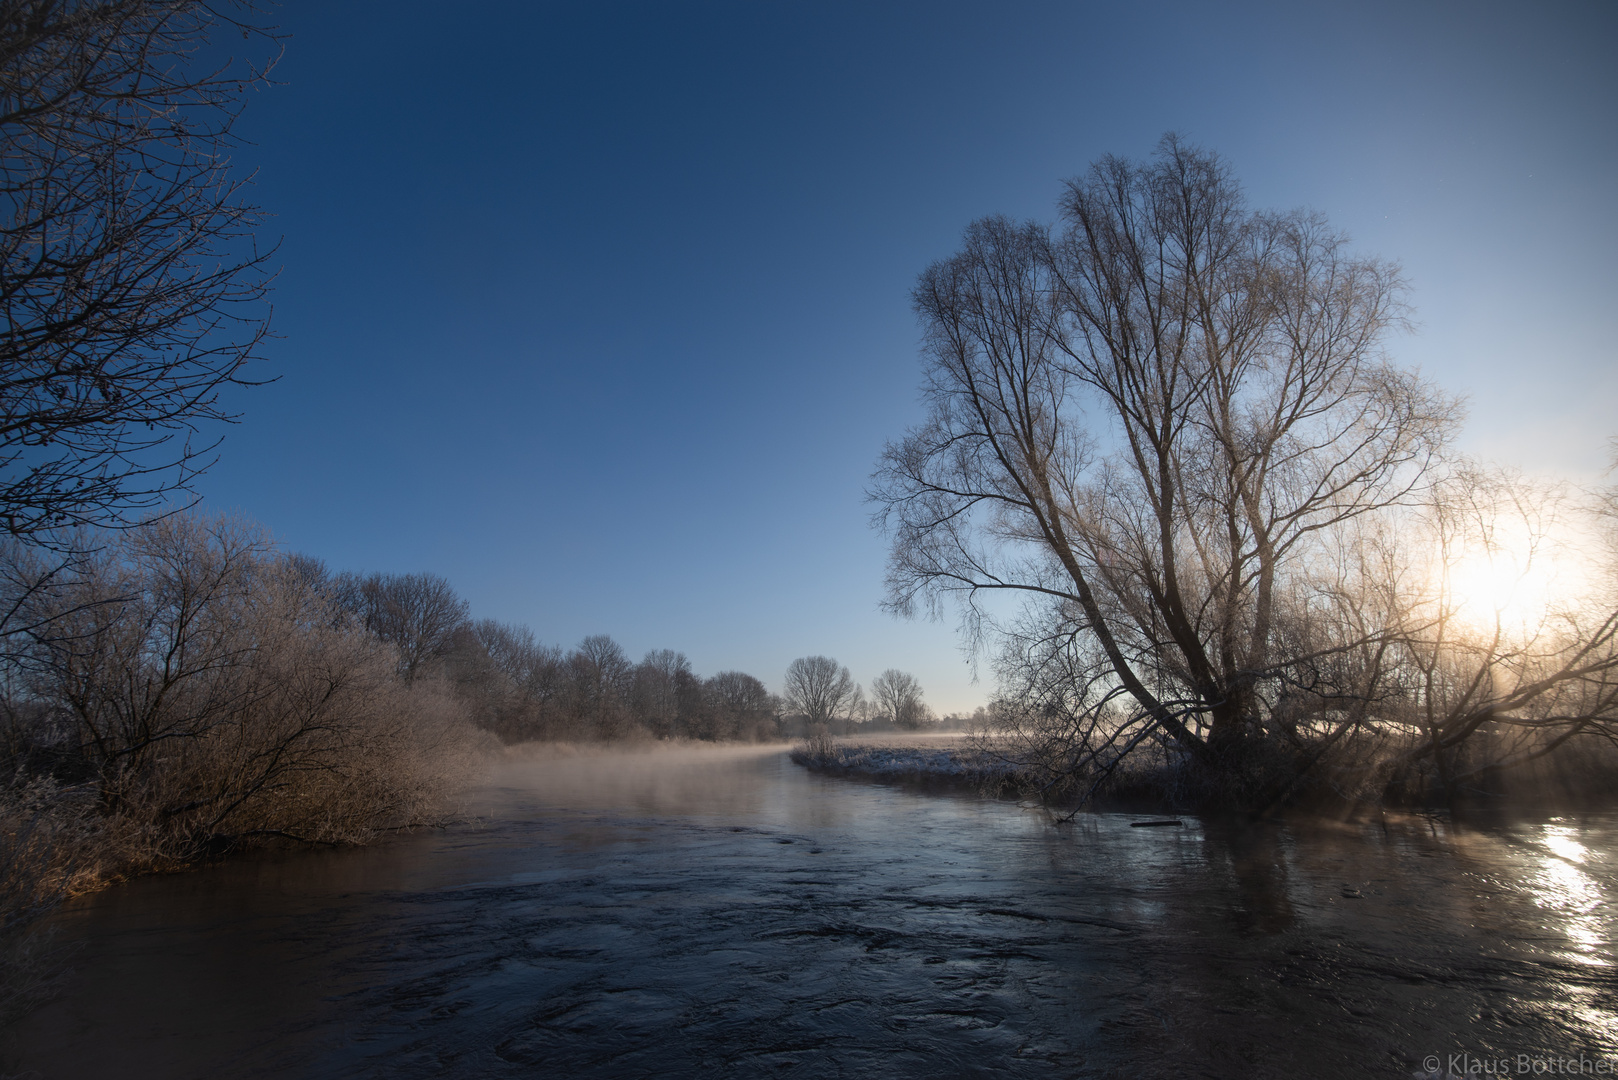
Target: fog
<point>650,778</point>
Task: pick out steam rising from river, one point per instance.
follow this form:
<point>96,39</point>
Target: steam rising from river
<point>650,777</point>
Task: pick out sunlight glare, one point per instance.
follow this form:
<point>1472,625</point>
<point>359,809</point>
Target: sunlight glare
<point>1515,583</point>
<point>1560,884</point>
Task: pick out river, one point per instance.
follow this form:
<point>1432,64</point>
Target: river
<point>723,913</point>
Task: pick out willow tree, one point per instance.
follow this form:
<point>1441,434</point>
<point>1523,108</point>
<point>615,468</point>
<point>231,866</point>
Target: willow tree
<point>1154,422</point>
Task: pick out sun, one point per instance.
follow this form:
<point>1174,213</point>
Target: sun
<point>1512,580</point>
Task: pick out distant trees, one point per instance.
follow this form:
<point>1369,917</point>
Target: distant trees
<point>740,707</point>
<point>520,690</point>
<point>507,680</point>
<point>1168,427</point>
<point>130,283</point>
<point>820,689</point>
<point>664,694</point>
<point>599,681</point>
<point>899,698</point>
<point>418,614</point>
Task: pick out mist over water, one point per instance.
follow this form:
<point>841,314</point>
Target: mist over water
<point>722,912</point>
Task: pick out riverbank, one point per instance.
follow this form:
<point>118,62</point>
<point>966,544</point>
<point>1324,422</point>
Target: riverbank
<point>956,764</point>
<point>1570,780</point>
<point>937,762</point>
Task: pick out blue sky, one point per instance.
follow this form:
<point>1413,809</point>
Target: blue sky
<point>601,310</point>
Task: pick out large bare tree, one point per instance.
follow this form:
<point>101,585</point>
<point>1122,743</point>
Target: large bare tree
<point>1154,423</point>
<point>130,282</point>
<point>819,688</point>
<point>898,696</point>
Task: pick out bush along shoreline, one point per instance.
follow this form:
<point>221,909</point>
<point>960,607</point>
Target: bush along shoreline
<point>178,691</point>
<point>184,689</point>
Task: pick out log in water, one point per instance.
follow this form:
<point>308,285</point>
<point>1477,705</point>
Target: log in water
<point>724,913</point>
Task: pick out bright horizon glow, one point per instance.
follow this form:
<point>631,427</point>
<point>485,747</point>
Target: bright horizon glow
<point>1517,580</point>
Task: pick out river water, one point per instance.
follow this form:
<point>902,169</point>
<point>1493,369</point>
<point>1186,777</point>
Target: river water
<point>724,913</point>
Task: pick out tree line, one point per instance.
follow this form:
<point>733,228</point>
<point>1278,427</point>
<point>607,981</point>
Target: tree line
<point>188,686</point>
<point>518,689</point>
<point>194,686</point>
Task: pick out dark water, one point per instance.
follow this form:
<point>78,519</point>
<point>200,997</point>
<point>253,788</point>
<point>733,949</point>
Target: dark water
<point>727,914</point>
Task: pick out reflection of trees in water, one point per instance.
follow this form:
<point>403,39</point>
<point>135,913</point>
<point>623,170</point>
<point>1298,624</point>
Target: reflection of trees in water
<point>1255,858</point>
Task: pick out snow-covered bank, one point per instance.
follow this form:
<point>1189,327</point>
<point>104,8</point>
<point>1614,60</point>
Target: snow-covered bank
<point>959,767</point>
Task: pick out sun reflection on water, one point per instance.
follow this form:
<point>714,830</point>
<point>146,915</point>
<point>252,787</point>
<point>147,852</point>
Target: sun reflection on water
<point>1560,883</point>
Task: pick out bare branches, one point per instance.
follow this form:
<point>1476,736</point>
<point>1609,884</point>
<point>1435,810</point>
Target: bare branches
<point>131,284</point>
<point>207,689</point>
<point>898,697</point>
<point>418,614</point>
<point>1169,427</point>
<point>819,689</point>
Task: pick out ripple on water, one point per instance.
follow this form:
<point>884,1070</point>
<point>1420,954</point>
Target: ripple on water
<point>727,914</point>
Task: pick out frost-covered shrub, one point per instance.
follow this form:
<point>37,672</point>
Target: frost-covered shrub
<point>209,692</point>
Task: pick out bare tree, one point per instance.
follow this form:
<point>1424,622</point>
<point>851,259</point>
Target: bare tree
<point>898,697</point>
<point>418,614</point>
<point>739,706</point>
<point>655,690</point>
<point>130,283</point>
<point>544,694</point>
<point>819,689</point>
<point>1152,425</point>
<point>511,649</point>
<point>599,680</point>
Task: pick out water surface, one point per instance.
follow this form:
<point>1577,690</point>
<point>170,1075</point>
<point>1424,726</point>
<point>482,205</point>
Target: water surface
<point>723,913</point>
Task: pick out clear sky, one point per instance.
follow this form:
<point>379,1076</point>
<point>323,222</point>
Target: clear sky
<point>601,310</point>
